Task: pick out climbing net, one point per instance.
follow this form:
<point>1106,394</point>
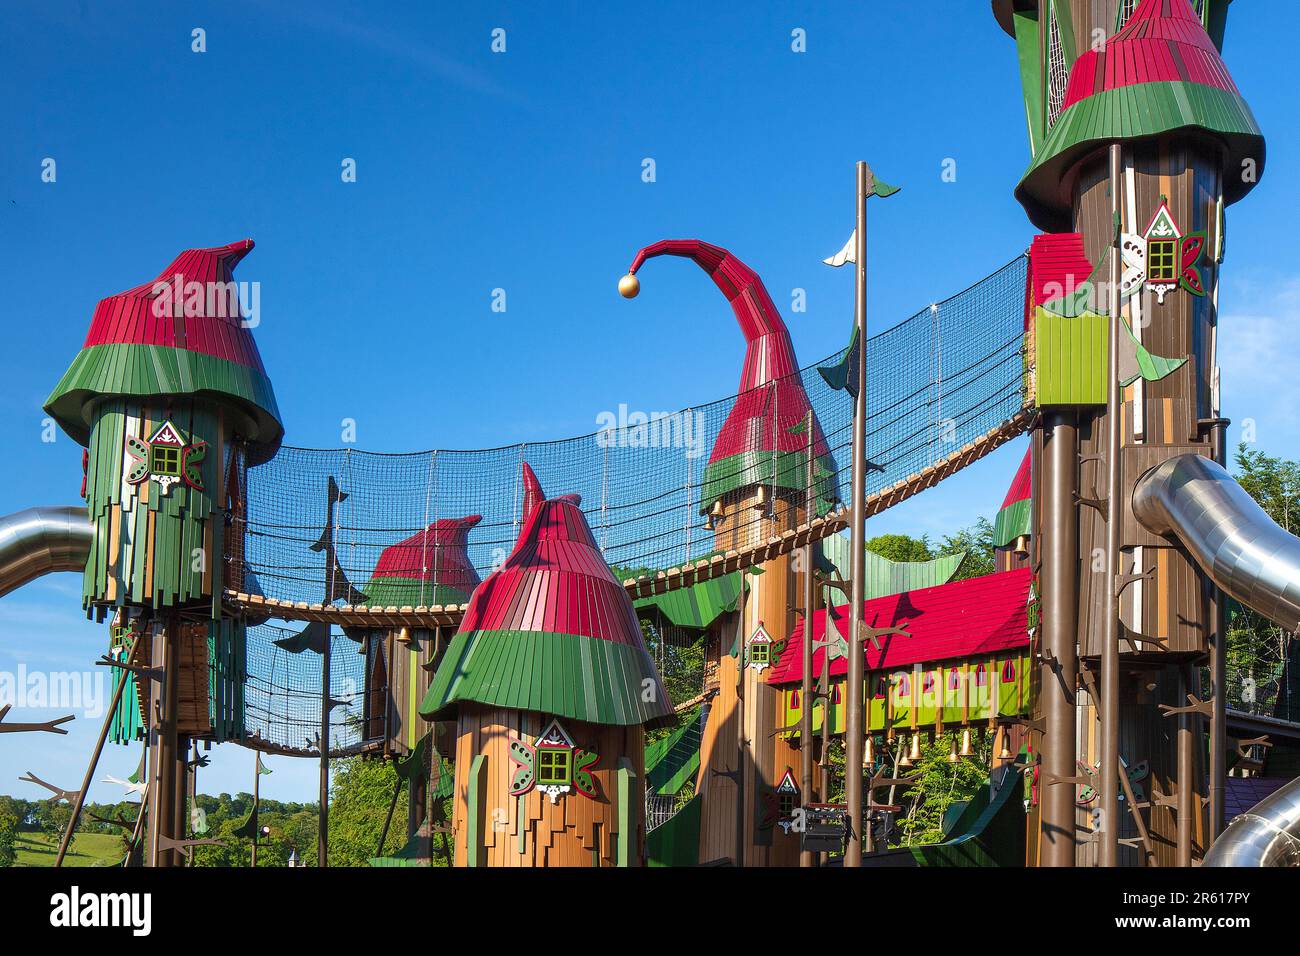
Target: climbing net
<point>282,694</point>
<point>937,381</point>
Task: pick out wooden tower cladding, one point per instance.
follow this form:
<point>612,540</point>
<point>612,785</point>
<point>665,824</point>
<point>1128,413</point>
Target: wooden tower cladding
<point>537,828</point>
<point>1188,146</point>
<point>169,396</point>
<point>769,458</point>
<point>550,685</point>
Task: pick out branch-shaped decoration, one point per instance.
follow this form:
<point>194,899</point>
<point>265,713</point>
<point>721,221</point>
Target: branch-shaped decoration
<point>874,634</point>
<point>1194,706</point>
<point>49,726</point>
<point>1122,581</point>
<point>1047,779</point>
<point>167,843</point>
<point>880,780</point>
<point>59,792</point>
<point>118,821</point>
<point>129,786</point>
<point>140,670</point>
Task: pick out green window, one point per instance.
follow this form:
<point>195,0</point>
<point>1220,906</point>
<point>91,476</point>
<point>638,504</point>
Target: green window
<point>1161,259</point>
<point>760,652</point>
<point>554,767</point>
<point>165,460</point>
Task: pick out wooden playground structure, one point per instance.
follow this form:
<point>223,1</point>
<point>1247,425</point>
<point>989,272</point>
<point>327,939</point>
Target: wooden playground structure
<point>500,634</point>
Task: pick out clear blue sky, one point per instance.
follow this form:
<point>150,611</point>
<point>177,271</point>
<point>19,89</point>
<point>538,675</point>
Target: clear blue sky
<point>522,171</point>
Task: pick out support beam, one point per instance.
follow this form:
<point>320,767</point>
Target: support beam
<point>807,857</point>
<point>1188,805</point>
<point>124,676</point>
<point>1110,664</point>
<point>1059,546</point>
<point>854,737</point>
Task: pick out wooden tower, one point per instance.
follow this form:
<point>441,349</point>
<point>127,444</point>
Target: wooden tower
<point>756,485</point>
<point>550,685</point>
<point>1139,144</point>
<point>169,396</point>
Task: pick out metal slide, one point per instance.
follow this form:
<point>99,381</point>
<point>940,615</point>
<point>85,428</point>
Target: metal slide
<point>1251,559</point>
<point>39,541</point>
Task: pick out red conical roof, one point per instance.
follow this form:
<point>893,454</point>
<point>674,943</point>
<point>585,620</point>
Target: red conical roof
<point>1163,40</point>
<point>184,333</point>
<point>1160,74</point>
<point>552,631</point>
<point>1020,487</point>
<point>436,558</point>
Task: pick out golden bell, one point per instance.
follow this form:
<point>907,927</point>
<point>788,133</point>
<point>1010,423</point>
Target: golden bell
<point>629,286</point>
<point>870,756</point>
<point>953,756</point>
<point>915,752</point>
<point>905,760</point>
<point>760,500</point>
<point>1004,752</point>
<point>967,749</point>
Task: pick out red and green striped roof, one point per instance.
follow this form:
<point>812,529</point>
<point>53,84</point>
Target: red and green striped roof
<point>430,567</point>
<point>552,631</point>
<point>1159,74</point>
<point>133,350</point>
<point>1014,519</point>
<point>762,440</point>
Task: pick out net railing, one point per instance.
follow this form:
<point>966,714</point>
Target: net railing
<point>936,381</point>
<point>282,693</point>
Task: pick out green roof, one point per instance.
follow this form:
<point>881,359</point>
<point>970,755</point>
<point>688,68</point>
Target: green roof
<point>130,369</point>
<point>697,606</point>
<point>886,577</point>
<point>1134,112</point>
<point>566,675</point>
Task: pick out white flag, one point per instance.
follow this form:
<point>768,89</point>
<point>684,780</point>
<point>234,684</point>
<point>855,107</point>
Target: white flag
<point>847,254</point>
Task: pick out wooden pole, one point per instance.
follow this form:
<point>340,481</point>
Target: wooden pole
<point>1059,670</point>
<point>257,790</point>
<point>807,857</point>
<point>162,753</point>
<point>322,819</point>
<point>94,757</point>
<point>740,726</point>
<point>854,740</point>
<point>1218,671</point>
<point>1109,802</point>
<point>139,825</point>
<point>1186,782</point>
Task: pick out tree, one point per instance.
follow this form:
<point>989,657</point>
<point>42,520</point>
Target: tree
<point>8,837</point>
<point>901,547</point>
<point>1258,651</point>
<point>977,542</point>
<point>52,818</point>
<point>362,792</point>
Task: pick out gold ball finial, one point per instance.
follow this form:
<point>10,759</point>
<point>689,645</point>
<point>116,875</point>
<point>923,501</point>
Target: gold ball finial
<point>629,286</point>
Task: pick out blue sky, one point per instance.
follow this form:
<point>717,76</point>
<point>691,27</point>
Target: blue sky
<point>522,171</point>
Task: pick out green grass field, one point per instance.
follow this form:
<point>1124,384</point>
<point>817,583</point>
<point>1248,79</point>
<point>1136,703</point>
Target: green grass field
<point>89,849</point>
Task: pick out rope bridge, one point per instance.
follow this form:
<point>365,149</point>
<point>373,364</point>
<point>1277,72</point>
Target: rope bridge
<point>944,388</point>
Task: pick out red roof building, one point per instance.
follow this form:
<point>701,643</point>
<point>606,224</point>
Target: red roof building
<point>984,615</point>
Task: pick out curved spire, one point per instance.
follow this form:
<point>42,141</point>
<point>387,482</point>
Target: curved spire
<point>762,440</point>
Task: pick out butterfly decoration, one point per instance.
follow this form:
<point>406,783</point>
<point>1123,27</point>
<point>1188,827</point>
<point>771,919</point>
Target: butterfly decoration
<point>1162,258</point>
<point>167,458</point>
<point>552,764</point>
